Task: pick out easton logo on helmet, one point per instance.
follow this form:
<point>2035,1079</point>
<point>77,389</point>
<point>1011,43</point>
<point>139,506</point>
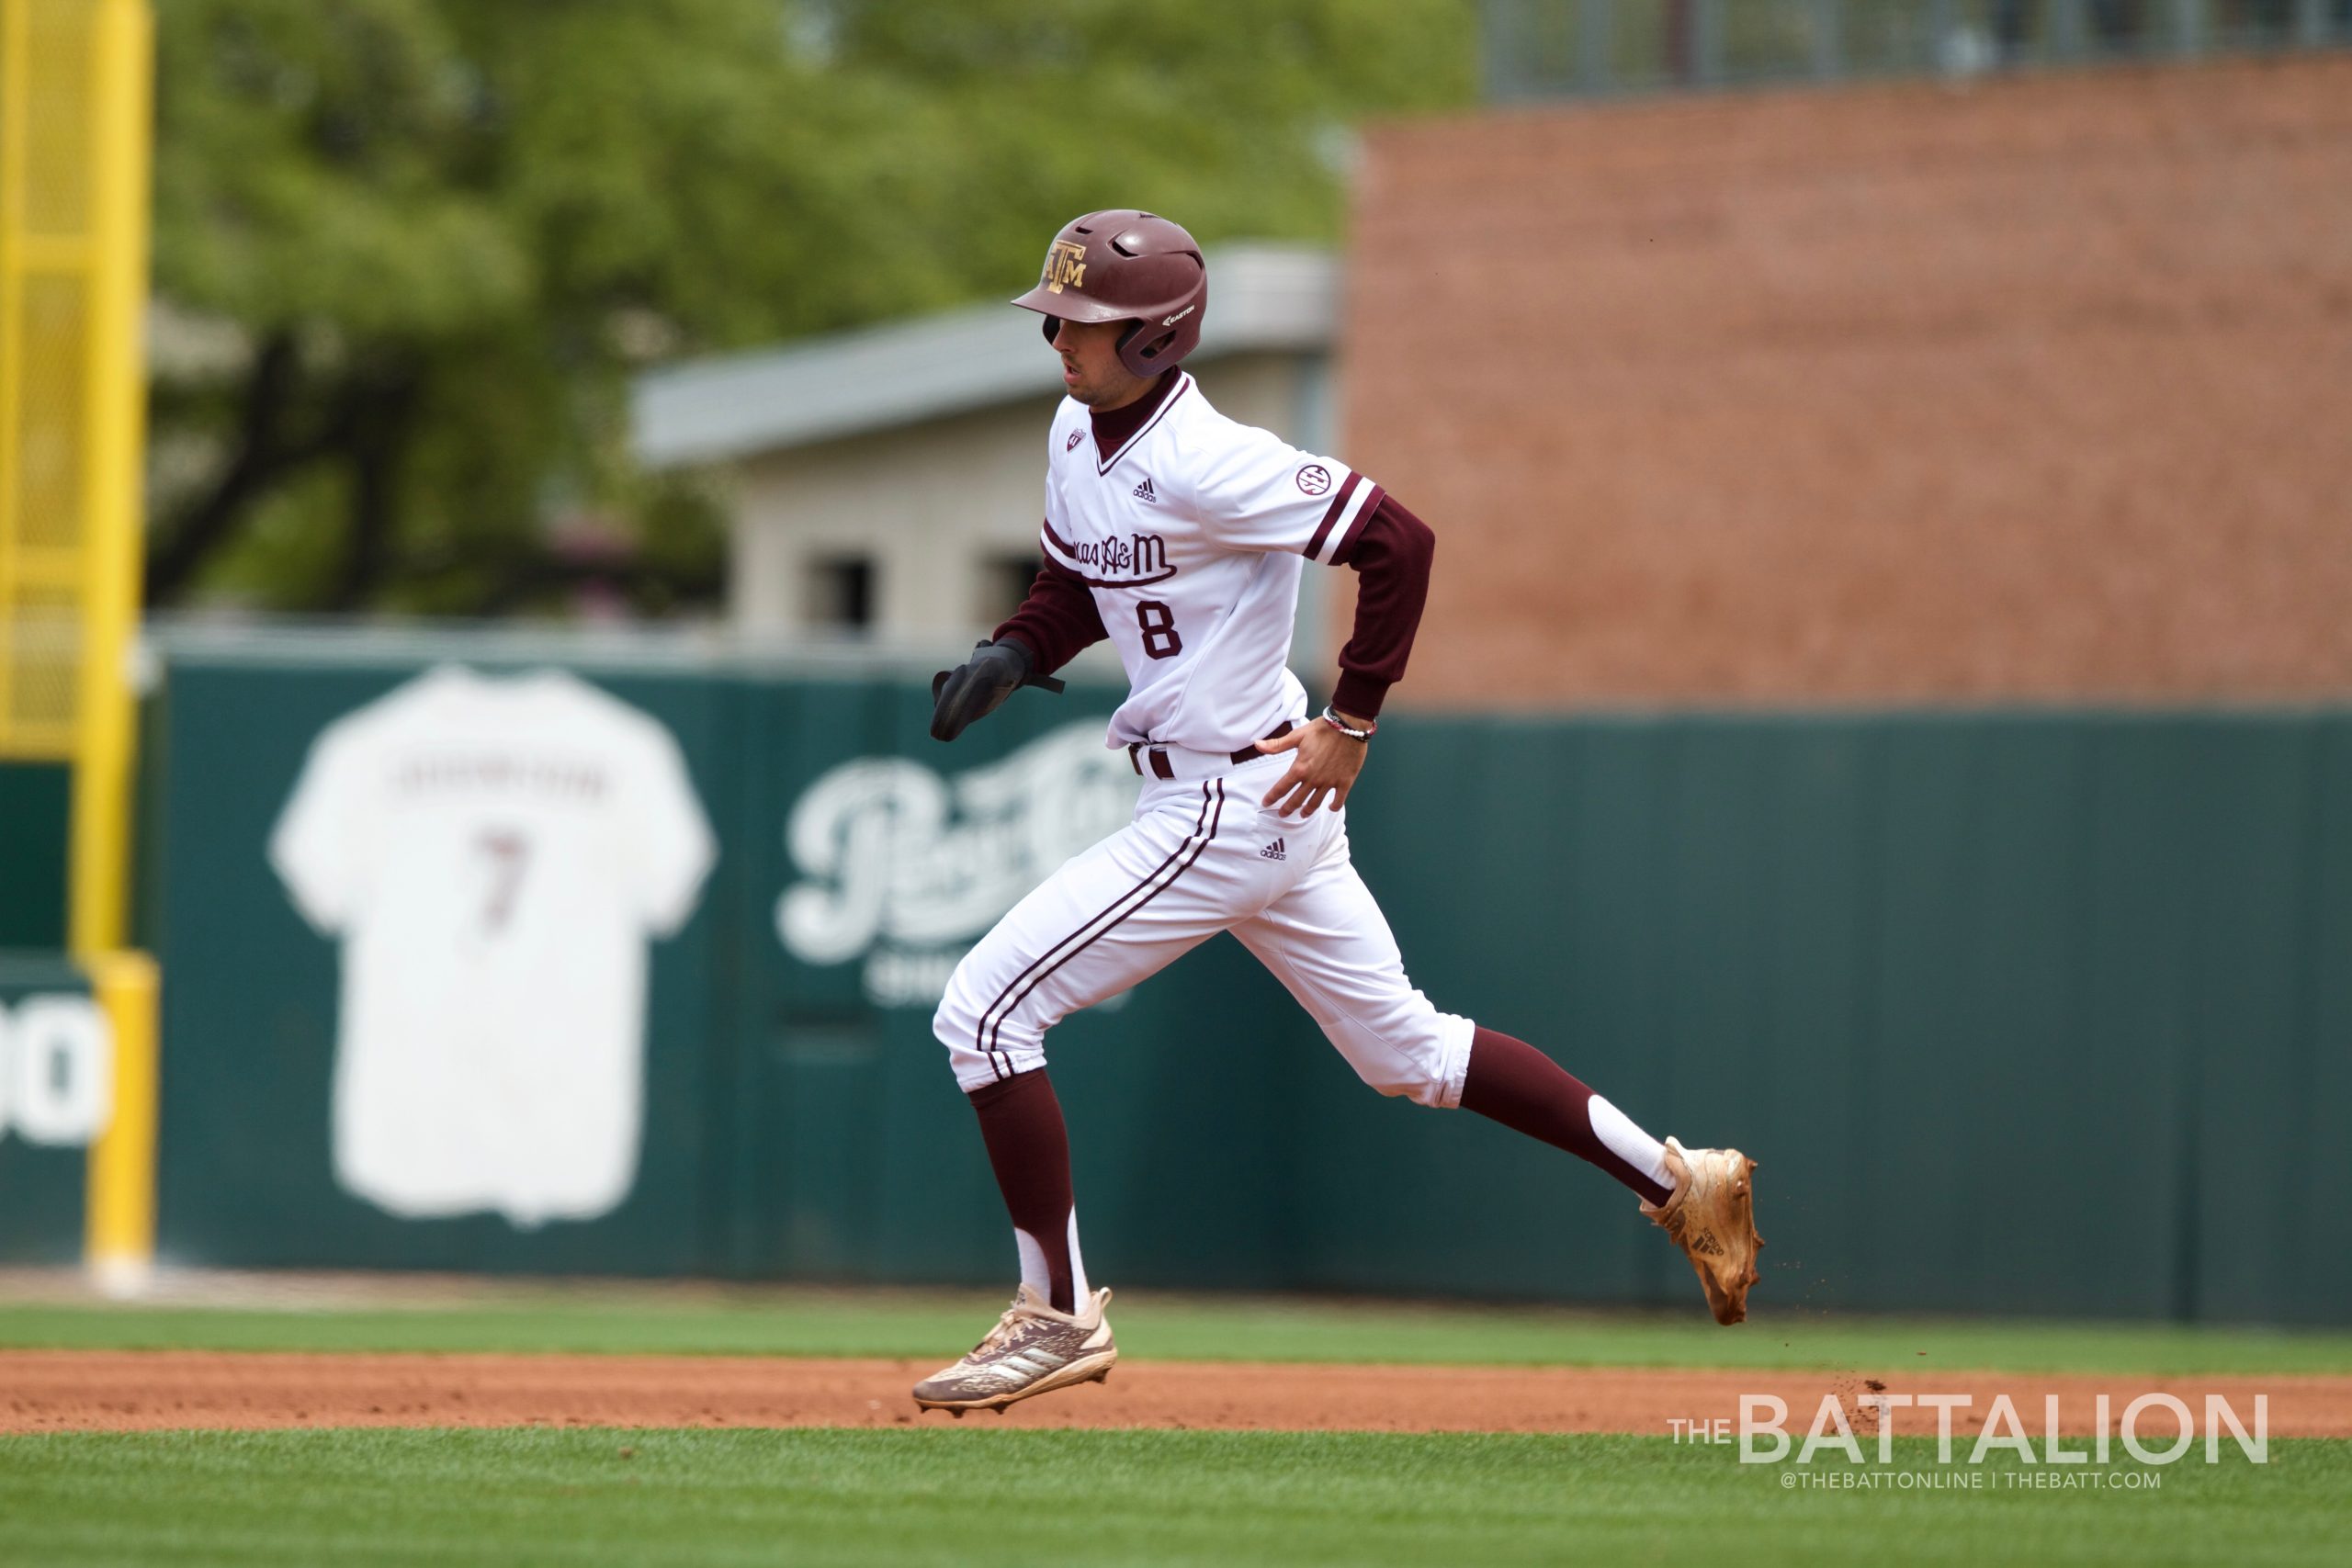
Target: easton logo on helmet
<point>1180,315</point>
<point>1064,266</point>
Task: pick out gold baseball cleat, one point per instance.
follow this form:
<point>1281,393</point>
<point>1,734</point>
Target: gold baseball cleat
<point>1032,1350</point>
<point>1711,1217</point>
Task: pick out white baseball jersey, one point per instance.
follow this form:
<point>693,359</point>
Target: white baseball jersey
<point>494,854</point>
<point>1193,536</point>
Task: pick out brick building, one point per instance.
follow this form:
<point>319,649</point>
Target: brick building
<point>2036,388</point>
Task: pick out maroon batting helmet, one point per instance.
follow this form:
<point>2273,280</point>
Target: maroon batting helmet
<point>1125,265</point>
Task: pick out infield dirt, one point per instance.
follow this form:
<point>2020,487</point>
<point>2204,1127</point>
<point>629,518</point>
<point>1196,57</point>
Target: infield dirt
<point>139,1391</point>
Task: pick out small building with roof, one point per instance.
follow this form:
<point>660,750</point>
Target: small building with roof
<point>887,483</point>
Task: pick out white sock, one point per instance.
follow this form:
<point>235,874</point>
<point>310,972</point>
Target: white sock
<point>1032,1264</point>
<point>1627,1141</point>
<point>1035,1275</point>
<point>1078,1291</point>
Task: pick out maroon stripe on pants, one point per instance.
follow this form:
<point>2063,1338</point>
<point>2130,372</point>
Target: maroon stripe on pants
<point>1198,849</point>
<point>984,1033</point>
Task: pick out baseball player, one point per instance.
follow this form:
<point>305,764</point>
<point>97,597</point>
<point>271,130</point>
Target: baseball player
<point>1181,536</point>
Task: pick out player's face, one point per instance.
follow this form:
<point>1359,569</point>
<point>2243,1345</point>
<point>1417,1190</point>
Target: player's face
<point>1091,368</point>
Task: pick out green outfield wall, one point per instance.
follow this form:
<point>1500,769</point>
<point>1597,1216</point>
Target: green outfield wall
<point>2021,1011</point>
<point>34,821</point>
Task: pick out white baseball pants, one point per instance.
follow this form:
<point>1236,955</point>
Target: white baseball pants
<point>1204,856</point>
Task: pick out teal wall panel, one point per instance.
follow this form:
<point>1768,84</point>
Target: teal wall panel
<point>34,819</point>
<point>2251,986</point>
<point>41,1185</point>
<point>2314,1119</point>
<point>2128,1077</point>
<point>2006,1002</point>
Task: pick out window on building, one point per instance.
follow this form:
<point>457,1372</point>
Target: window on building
<point>1005,576</point>
<point>841,593</point>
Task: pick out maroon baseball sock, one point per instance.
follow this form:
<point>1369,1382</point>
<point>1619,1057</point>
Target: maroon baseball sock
<point>1029,1148</point>
<point>1512,1082</point>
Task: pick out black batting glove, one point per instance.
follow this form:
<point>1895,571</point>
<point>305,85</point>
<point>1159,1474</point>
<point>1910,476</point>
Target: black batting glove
<point>977,687</point>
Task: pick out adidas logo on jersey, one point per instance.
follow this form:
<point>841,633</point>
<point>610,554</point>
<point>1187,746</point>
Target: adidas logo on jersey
<point>1144,491</point>
<point>1272,852</point>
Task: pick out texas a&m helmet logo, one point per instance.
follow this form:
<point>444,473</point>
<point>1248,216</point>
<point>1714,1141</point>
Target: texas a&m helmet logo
<point>1315,478</point>
<point>1064,266</point>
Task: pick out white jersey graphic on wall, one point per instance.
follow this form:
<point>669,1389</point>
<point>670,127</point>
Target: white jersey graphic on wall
<point>494,855</point>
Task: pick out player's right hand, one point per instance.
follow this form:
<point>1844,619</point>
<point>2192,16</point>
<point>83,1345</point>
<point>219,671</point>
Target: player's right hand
<point>977,687</point>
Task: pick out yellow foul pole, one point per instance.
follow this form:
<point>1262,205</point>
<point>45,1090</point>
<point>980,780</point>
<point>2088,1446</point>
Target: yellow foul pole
<point>119,1241</point>
<point>116,421</point>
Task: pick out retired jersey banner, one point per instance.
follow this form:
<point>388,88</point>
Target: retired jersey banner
<point>448,999</point>
<point>493,857</point>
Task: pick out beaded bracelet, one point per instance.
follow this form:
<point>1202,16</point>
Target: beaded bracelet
<point>1336,722</point>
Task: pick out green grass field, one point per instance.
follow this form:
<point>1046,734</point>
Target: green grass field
<point>1221,1498</point>
<point>971,1494</point>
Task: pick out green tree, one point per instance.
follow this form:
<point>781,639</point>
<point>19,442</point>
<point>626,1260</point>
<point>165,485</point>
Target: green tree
<point>419,245</point>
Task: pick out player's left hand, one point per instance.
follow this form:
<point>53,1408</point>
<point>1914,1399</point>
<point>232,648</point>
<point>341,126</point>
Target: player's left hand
<point>1325,763</point>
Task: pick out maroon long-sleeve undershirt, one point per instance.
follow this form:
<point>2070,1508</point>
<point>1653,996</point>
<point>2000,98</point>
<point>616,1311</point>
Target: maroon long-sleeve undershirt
<point>1059,619</point>
<point>1390,554</point>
